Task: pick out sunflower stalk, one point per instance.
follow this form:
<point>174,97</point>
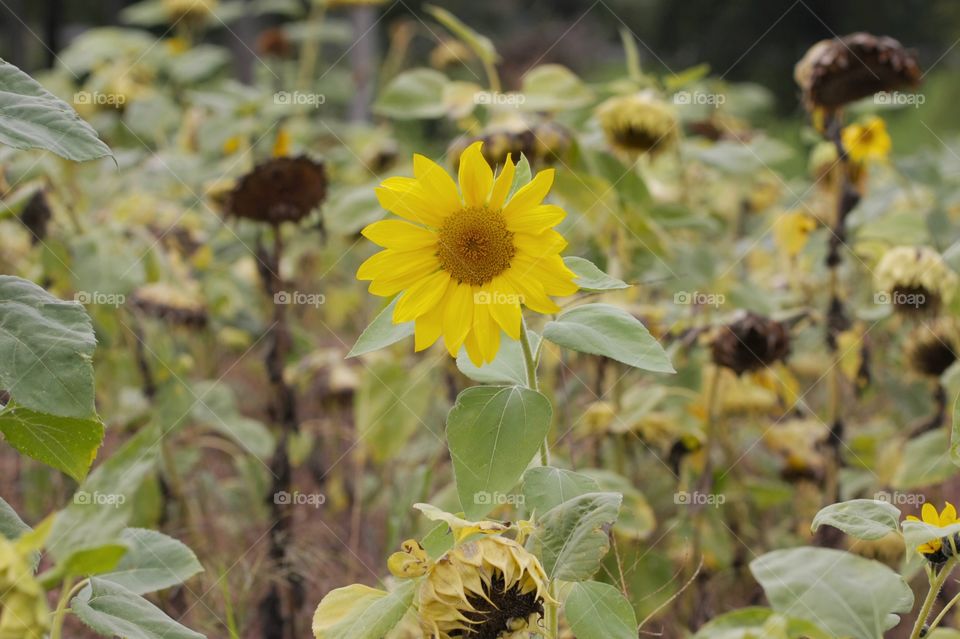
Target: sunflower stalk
<point>937,580</point>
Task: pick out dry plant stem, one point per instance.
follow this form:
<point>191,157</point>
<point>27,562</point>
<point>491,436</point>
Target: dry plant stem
<point>704,487</point>
<point>936,583</point>
<point>281,604</point>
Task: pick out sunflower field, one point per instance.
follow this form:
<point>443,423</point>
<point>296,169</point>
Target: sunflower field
<point>354,319</point>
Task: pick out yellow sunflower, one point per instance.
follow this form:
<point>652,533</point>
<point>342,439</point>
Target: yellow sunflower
<point>466,260</point>
<point>868,140</point>
<point>946,517</point>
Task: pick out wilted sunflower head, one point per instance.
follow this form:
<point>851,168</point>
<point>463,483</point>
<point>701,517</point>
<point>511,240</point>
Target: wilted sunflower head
<point>750,343</point>
<point>36,216</point>
<point>181,306</point>
<point>283,189</point>
<point>835,72</point>
<point>932,348</point>
<point>541,143</point>
<point>23,605</point>
<point>914,279</point>
<point>638,123</point>
<point>490,588</point>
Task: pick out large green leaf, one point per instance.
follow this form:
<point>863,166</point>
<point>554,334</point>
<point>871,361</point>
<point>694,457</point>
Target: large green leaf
<point>382,332</point>
<point>844,594</point>
<point>361,612</point>
<point>599,611</point>
<point>65,443</point>
<point>545,487</point>
<point>571,539</point>
<point>85,563</point>
<point>33,118</point>
<point>153,562</point>
<point>602,329</point>
<point>46,350</point>
<point>113,611</point>
<point>860,518</point>
<point>757,623</point>
<point>493,433</point>
<point>414,94</point>
<point>552,87</point>
<point>103,503</point>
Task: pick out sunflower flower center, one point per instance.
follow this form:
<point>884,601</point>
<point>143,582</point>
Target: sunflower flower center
<point>475,246</point>
<point>501,610</point>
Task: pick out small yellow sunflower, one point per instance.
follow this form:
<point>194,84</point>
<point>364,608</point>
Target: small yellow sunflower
<point>944,518</point>
<point>868,140</point>
<point>466,260</point>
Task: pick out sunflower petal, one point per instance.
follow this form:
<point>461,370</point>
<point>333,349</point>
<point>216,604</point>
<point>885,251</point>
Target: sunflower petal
<point>529,195</point>
<point>548,242</point>
<point>457,316</point>
<point>476,176</point>
<point>948,515</point>
<point>501,186</point>
<point>504,309</point>
<point>474,351</point>
<point>537,219</point>
<point>436,181</point>
<point>390,286</point>
<point>397,234</point>
<point>486,331</point>
<point>550,272</point>
<point>930,514</point>
<point>531,292</point>
<point>421,297</point>
<point>391,264</point>
<point>409,203</point>
<point>427,328</point>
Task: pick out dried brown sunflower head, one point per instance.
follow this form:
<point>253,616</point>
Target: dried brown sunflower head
<point>177,305</point>
<point>835,72</point>
<point>932,348</point>
<point>36,215</point>
<point>283,189</point>
<point>750,343</point>
<point>914,279</point>
<point>542,143</point>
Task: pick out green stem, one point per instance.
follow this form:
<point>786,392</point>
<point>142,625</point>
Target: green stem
<point>936,583</point>
<point>310,53</point>
<point>56,627</point>
<point>530,364</point>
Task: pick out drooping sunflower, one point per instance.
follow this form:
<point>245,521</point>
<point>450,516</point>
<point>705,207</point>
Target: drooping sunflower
<point>639,123</point>
<point>466,260</point>
<point>934,550</point>
<point>915,279</point>
<point>751,343</point>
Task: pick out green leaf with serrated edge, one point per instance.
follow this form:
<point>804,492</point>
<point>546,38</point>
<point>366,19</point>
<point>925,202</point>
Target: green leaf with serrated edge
<point>493,433</point>
<point>861,518</point>
<point>33,118</point>
<point>361,612</point>
<point>846,595</point>
<point>113,611</point>
<point>599,611</point>
<point>508,367</point>
<point>413,94</point>
<point>102,504</point>
<point>572,538</point>
<point>602,329</point>
<point>65,443</point>
<point>591,278</point>
<point>545,487</point>
<point>46,351</point>
<point>11,526</point>
<point>153,562</point>
<point>750,623</point>
<point>382,332</point>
